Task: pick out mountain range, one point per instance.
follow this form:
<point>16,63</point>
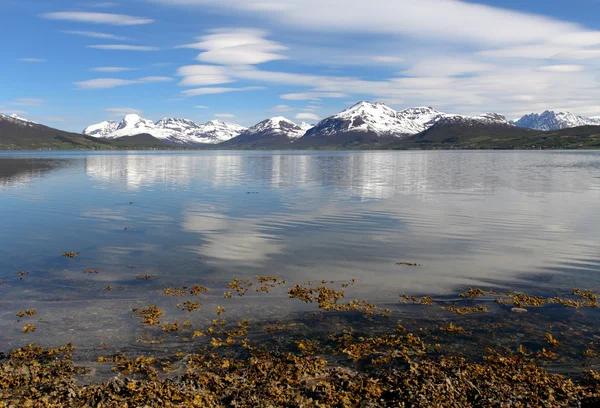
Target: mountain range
<point>363,125</point>
<point>549,120</point>
<point>182,132</point>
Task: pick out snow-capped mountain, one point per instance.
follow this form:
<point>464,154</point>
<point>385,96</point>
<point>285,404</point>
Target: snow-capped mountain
<point>171,130</point>
<point>17,119</point>
<point>280,125</point>
<point>369,121</point>
<point>549,120</point>
<point>305,126</point>
<point>484,119</point>
<point>277,131</point>
<point>366,117</point>
<point>416,120</point>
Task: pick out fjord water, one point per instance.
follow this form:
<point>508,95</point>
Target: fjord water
<point>510,220</point>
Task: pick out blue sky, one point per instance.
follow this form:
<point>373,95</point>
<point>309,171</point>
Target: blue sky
<point>70,63</point>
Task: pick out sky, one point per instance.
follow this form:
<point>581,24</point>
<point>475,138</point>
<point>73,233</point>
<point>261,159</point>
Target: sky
<point>71,63</point>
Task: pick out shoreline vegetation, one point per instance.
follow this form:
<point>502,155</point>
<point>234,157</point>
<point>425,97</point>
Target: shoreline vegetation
<point>477,348</point>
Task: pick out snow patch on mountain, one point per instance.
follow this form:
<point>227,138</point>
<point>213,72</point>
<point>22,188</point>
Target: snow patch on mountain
<point>173,130</point>
<point>18,119</point>
<point>549,120</point>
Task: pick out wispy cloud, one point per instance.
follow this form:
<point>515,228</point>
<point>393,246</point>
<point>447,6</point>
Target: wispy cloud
<point>562,68</point>
<point>102,4</point>
<point>32,60</point>
<point>201,107</point>
<point>446,66</point>
<point>304,96</point>
<point>199,75</point>
<point>387,59</point>
<point>281,108</point>
<point>224,115</point>
<point>124,47</point>
<point>155,79</point>
<point>307,116</point>
<point>242,46</point>
<point>120,112</point>
<point>111,69</point>
<point>211,91</point>
<point>93,34</point>
<point>97,18</point>
<point>104,83</point>
<point>442,20</point>
<point>107,83</point>
<point>28,102</point>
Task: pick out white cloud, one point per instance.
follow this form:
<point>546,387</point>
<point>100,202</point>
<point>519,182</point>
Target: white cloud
<point>107,83</point>
<point>211,91</point>
<point>307,116</point>
<point>111,69</point>
<point>93,34</point>
<point>120,112</point>
<point>201,107</point>
<point>224,115</point>
<point>541,51</point>
<point>97,18</point>
<point>387,59</point>
<point>155,79</point>
<point>199,75</point>
<point>563,68</point>
<point>28,102</point>
<point>446,67</point>
<point>304,96</point>
<point>104,83</point>
<point>281,108</point>
<point>123,47</point>
<point>240,46</point>
<point>443,20</point>
<point>32,60</point>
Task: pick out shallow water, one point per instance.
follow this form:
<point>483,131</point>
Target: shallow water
<point>514,220</point>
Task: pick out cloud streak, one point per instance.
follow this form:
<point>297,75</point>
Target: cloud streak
<point>28,102</point>
<point>443,20</point>
<point>213,91</point>
<point>93,34</point>
<point>307,116</point>
<point>97,18</point>
<point>34,60</point>
<point>107,83</point>
<point>120,112</point>
<point>111,69</point>
<point>123,47</point>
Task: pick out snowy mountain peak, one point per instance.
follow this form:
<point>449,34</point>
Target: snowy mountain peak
<point>549,120</point>
<point>135,121</point>
<point>305,126</point>
<point>171,130</point>
<point>18,119</point>
<point>278,125</point>
<point>378,118</point>
<point>367,108</point>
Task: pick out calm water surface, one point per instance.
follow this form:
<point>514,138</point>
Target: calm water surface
<point>518,220</point>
